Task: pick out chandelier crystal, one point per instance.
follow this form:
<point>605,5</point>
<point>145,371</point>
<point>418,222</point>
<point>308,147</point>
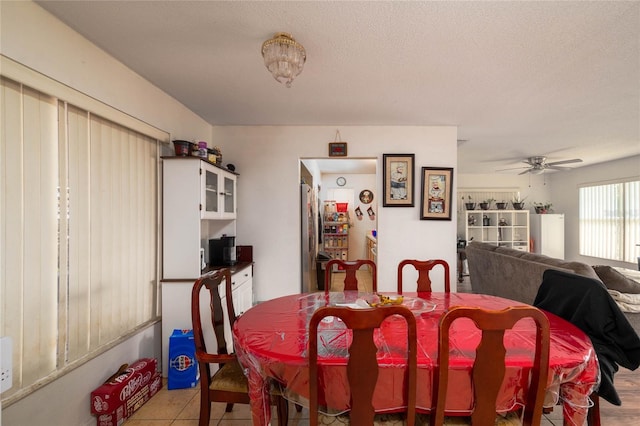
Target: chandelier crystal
<point>284,57</point>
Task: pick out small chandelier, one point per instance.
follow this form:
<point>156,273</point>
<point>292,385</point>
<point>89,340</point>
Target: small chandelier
<point>284,57</point>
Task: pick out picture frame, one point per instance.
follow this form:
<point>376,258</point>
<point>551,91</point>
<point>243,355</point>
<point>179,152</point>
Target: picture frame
<point>366,196</point>
<point>398,180</point>
<point>437,192</point>
<point>337,149</point>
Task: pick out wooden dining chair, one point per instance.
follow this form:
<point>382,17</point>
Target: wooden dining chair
<point>362,366</point>
<point>489,365</point>
<point>424,267</point>
<point>228,384</point>
<point>350,267</point>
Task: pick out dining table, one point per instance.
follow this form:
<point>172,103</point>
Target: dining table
<point>271,342</point>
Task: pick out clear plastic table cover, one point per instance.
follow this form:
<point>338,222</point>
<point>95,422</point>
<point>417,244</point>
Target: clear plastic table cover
<point>271,341</point>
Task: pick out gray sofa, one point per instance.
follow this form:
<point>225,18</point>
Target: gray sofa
<point>517,275</point>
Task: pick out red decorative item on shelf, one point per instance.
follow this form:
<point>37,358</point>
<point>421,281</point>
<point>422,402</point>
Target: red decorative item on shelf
<point>342,207</point>
<point>183,148</point>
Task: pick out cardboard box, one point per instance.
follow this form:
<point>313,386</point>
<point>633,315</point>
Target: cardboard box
<point>118,390</point>
<point>183,367</point>
<point>131,405</point>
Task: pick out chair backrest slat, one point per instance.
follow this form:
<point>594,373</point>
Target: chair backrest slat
<point>424,267</point>
<point>362,366</point>
<point>489,366</point>
<point>212,282</point>
<point>350,267</point>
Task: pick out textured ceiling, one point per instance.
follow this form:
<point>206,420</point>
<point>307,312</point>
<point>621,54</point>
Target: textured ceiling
<point>519,79</point>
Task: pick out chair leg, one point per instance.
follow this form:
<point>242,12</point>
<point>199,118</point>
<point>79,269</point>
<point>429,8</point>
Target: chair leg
<point>205,412</point>
<point>282,405</point>
<point>229,407</point>
<point>593,416</point>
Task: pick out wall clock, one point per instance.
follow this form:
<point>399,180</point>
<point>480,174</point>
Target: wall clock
<point>341,181</point>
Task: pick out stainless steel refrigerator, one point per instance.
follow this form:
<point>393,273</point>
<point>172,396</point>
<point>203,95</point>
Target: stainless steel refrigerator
<point>309,233</point>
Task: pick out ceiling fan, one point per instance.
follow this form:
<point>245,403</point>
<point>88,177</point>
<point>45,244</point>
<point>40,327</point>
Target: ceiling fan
<point>538,164</point>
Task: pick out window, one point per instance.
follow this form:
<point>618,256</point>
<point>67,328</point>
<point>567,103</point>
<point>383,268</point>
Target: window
<point>79,226</point>
<point>610,220</point>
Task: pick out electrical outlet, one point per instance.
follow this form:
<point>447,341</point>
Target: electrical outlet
<point>6,363</point>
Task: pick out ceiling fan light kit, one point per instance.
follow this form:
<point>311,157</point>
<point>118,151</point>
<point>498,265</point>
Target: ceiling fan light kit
<point>284,57</point>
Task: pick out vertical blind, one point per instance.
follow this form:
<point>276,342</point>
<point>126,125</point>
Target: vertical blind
<point>610,220</point>
<point>79,221</point>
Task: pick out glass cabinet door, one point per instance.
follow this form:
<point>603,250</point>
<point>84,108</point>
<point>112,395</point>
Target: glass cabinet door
<point>211,194</point>
<point>229,195</point>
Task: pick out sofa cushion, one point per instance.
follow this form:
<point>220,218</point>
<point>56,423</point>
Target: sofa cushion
<point>578,268</point>
<point>615,280</point>
<point>581,269</point>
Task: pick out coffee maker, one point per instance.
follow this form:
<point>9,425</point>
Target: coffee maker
<point>222,251</point>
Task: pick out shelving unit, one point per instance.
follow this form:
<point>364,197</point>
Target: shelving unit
<point>505,228</point>
<point>198,203</point>
<point>335,233</point>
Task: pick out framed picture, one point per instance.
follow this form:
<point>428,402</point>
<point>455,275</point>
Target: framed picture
<point>337,149</point>
<point>366,196</point>
<point>398,175</point>
<point>437,190</point>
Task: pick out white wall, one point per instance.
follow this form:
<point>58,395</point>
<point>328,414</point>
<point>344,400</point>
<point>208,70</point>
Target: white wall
<point>267,159</point>
<point>564,195</point>
<point>536,188</point>
<point>37,39</point>
<point>34,38</point>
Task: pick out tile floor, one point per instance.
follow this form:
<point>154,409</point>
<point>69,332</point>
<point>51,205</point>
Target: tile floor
<point>181,407</point>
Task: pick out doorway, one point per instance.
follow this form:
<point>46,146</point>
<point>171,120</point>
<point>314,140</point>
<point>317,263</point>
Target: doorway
<point>337,182</point>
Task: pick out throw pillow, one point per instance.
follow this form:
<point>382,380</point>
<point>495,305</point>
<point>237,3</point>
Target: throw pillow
<point>614,280</point>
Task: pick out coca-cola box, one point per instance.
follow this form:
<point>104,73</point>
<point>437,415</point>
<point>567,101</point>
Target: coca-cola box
<point>122,395</point>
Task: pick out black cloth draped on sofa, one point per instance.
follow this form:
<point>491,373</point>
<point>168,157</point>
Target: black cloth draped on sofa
<point>586,303</point>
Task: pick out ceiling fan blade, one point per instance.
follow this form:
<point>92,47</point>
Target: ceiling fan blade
<point>555,163</point>
<point>512,168</point>
<point>526,171</point>
<point>558,167</point>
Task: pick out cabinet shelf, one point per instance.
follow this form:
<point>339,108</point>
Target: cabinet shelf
<point>335,233</point>
<point>504,228</point>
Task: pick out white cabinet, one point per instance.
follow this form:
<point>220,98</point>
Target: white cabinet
<point>218,193</point>
<point>547,233</point>
<point>507,228</point>
<point>194,194</point>
<point>198,203</point>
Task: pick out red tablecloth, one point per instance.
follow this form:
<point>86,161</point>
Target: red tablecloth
<point>271,342</point>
